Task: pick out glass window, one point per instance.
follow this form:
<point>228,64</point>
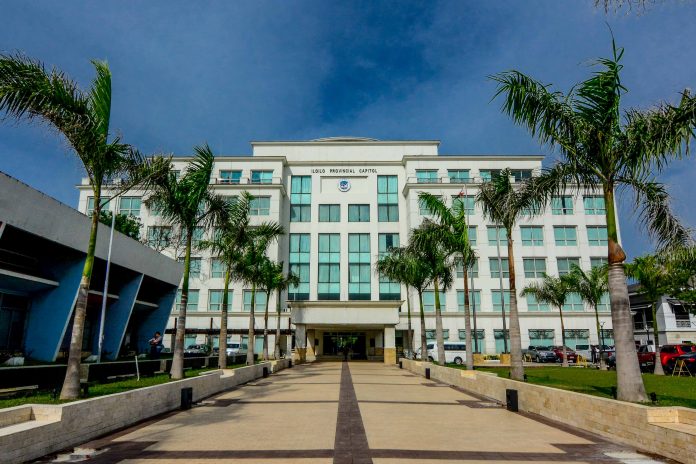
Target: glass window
<point>230,177</point>
<point>521,174</point>
<point>534,210</point>
<point>159,236</point>
<point>358,213</point>
<point>105,206</point>
<point>565,265</point>
<point>495,269</point>
<point>473,271</point>
<point>300,198</point>
<point>574,337</point>
<point>329,287</point>
<point>329,213</point>
<point>260,206</point>
<point>130,206</point>
<point>534,305</point>
<point>468,202</point>
<point>217,268</point>
<point>594,205</point>
<point>197,237</point>
<point>387,199</point>
<point>534,268</point>
<point>573,303</point>
<point>359,270</point>
<point>598,261</point>
<point>195,268</point>
<point>426,176</point>
<point>565,235</point>
<point>388,290</point>
<point>597,236</point>
<point>474,298</point>
<point>476,335</point>
<point>604,303</point>
<point>259,301</point>
<point>261,177</point>
<point>192,303</point>
<point>497,231</point>
<point>541,337</point>
<point>429,301</point>
<point>532,235</point>
<point>424,210</point>
<point>489,174</point>
<point>502,338</point>
<point>430,334</point>
<point>299,265</point>
<point>215,300</point>
<point>562,206</point>
<point>497,306</point>
<point>458,176</point>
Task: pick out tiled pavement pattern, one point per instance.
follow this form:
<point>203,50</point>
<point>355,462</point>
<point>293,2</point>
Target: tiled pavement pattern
<point>352,413</point>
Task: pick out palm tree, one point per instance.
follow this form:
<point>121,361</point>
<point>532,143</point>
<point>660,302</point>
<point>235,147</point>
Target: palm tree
<point>654,281</point>
<point>28,91</point>
<point>426,241</point>
<point>273,278</point>
<point>455,236</point>
<point>250,269</point>
<point>591,286</point>
<point>404,264</point>
<point>553,291</point>
<point>394,266</point>
<point>227,244</point>
<point>503,203</point>
<point>603,148</point>
<point>188,202</point>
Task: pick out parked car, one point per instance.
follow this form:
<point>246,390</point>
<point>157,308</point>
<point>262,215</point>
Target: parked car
<point>689,362</point>
<point>585,351</point>
<point>558,351</point>
<point>541,354</point>
<point>455,352</point>
<point>236,348</point>
<point>646,358</point>
<point>197,350</point>
<point>669,353</point>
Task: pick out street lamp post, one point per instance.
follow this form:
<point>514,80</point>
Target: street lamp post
<point>106,288</point>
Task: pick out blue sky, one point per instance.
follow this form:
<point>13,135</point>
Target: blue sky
<point>230,72</point>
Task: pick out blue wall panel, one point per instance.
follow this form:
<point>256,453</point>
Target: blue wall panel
<point>156,320</point>
<point>117,315</point>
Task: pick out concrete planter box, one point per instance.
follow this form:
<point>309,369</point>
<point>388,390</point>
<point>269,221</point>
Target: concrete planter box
<point>34,430</point>
<point>666,431</point>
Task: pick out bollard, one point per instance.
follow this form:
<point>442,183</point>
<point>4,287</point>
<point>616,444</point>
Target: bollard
<point>511,400</point>
<point>427,372</point>
<point>401,364</point>
<point>265,372</point>
<point>290,364</point>
<point>186,398</point>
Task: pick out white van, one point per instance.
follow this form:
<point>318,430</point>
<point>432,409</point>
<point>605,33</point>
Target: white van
<point>455,352</point>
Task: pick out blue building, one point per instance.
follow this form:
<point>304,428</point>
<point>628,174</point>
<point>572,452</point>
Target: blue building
<point>43,245</point>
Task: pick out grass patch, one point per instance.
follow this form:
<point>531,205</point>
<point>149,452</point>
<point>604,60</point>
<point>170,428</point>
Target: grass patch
<point>43,397</point>
<point>671,391</point>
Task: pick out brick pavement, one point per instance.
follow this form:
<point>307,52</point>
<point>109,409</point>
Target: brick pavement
<point>352,413</point>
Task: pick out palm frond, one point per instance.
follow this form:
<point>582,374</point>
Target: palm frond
<point>550,290</point>
<point>100,98</point>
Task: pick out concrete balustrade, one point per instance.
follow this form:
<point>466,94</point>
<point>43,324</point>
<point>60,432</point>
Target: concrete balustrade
<point>33,430</point>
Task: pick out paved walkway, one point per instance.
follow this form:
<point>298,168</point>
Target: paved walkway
<point>352,413</point>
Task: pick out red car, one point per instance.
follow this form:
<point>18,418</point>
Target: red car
<point>572,357</point>
<point>669,353</point>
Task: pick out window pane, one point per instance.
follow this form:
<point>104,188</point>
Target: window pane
<point>494,266</point>
<point>565,265</point>
<point>497,231</point>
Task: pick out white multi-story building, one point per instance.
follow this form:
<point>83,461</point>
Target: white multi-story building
<point>343,201</point>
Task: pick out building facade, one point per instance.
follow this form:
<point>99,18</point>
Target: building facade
<point>343,202</point>
<point>43,248</point>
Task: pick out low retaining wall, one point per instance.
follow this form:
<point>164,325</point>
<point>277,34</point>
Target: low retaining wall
<point>34,430</point>
<point>666,431</point>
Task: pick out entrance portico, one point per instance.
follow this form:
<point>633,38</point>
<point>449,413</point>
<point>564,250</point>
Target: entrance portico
<point>327,328</point>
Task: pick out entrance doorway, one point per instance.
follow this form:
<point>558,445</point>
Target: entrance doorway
<point>336,342</point>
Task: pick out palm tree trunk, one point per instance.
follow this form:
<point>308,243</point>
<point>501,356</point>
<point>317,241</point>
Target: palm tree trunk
<point>656,336</point>
<point>602,362</point>
<point>563,339</point>
<point>424,340</point>
<point>438,325</point>
<point>250,333</point>
<point>222,344</point>
<point>71,384</point>
<point>409,338</point>
<point>516,366</point>
<point>177,370</point>
<point>629,381</point>
<point>276,352</point>
<point>467,323</point>
<point>265,327</point>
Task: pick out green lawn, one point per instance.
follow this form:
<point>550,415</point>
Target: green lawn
<point>671,391</point>
<point>103,389</point>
